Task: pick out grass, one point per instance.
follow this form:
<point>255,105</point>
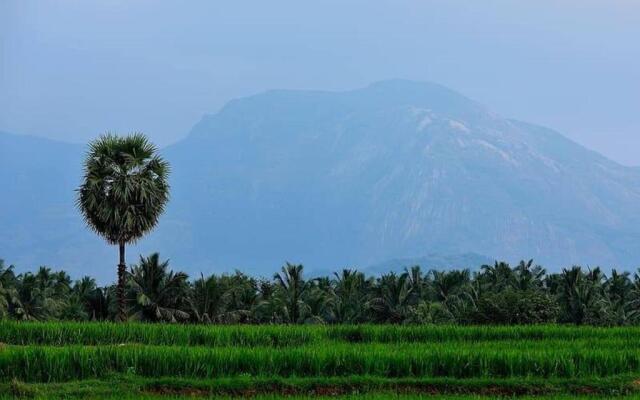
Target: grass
<point>63,333</point>
<point>104,360</point>
<point>54,363</point>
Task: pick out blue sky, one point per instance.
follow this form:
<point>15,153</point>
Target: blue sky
<point>73,69</point>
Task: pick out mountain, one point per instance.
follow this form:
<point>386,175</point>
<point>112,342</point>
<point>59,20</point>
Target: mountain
<point>332,179</point>
<point>392,170</point>
<point>38,220</point>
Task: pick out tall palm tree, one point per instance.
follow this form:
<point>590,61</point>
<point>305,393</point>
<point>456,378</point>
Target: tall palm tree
<point>123,194</point>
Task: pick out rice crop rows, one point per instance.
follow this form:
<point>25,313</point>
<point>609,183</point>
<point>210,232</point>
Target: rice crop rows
<point>315,359</point>
<point>63,333</point>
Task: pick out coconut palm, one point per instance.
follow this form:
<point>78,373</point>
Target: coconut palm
<point>8,292</point>
<point>527,276</point>
<point>618,290</point>
<point>208,298</point>
<point>223,299</point>
<point>449,284</point>
<point>123,194</point>
<point>41,296</point>
<point>156,293</point>
<point>417,283</point>
<point>498,276</point>
<point>581,296</point>
<point>291,291</point>
<point>393,299</point>
<point>319,300</point>
<point>87,301</point>
<point>351,291</point>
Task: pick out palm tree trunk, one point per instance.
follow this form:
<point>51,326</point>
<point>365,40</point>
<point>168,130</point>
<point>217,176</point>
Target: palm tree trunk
<point>122,270</point>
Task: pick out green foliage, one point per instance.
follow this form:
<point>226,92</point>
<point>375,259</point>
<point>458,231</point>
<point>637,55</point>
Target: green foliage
<point>123,193</point>
<point>496,294</point>
<point>515,307</point>
<point>134,360</point>
<point>156,294</point>
<point>57,352</point>
<point>125,187</point>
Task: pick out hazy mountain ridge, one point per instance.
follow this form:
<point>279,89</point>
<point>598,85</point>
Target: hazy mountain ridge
<point>432,261</point>
<point>406,168</point>
<point>399,168</point>
<point>37,212</point>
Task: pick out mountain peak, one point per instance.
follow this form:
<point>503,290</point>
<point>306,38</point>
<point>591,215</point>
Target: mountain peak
<point>395,169</point>
<point>312,107</point>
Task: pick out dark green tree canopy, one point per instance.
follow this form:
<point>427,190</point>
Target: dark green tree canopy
<point>156,293</point>
<point>125,187</point>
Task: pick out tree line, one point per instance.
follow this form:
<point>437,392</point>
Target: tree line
<point>494,294</point>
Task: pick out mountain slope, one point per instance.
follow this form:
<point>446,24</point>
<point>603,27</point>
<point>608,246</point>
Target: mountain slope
<point>393,170</point>
<point>396,170</point>
<point>38,219</point>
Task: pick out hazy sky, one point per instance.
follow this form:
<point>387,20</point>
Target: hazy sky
<point>72,69</point>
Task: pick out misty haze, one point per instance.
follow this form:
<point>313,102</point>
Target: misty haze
<point>345,200</point>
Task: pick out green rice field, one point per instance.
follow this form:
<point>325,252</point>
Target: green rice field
<point>105,360</point>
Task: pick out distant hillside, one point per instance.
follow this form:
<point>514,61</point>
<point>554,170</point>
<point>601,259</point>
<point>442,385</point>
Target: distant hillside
<point>395,169</point>
<point>38,220</point>
<point>334,179</point>
<point>432,261</point>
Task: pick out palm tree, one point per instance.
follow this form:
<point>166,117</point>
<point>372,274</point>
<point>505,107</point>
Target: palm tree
<point>417,283</point>
<point>634,298</point>
<point>618,290</point>
<point>269,304</point>
<point>123,194</point>
<point>156,293</point>
<point>528,276</point>
<point>449,284</point>
<point>8,292</point>
<point>207,299</point>
<point>291,288</point>
<point>240,298</point>
<point>351,292</point>
<point>454,291</point>
<point>498,276</point>
<point>223,299</point>
<point>87,300</point>
<point>42,296</point>
<point>581,296</point>
<point>393,300</point>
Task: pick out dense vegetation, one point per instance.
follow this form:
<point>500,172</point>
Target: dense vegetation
<point>392,336</point>
<point>123,193</point>
<point>103,359</point>
<point>495,294</point>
